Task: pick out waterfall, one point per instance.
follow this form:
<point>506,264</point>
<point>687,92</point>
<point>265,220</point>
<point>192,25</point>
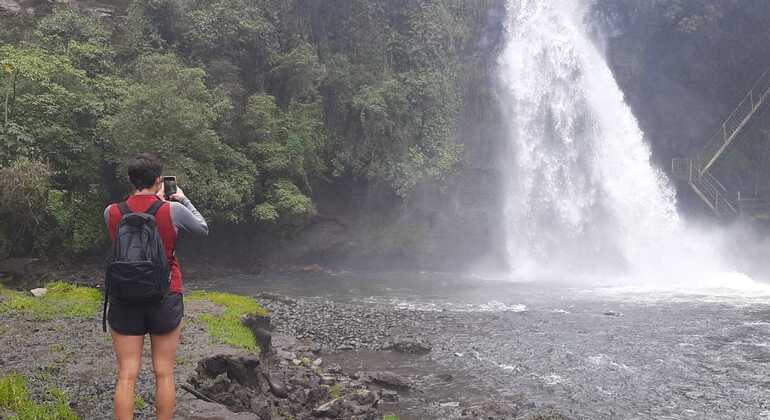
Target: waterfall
<point>581,194</point>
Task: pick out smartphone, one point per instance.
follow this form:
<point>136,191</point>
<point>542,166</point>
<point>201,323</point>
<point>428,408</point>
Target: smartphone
<point>169,186</point>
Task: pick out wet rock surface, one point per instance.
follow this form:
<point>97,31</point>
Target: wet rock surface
<point>410,346</point>
<point>271,390</point>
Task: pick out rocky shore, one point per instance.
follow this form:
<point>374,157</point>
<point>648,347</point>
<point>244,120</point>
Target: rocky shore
<point>313,358</point>
<point>216,380</point>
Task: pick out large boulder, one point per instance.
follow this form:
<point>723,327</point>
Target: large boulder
<point>262,329</point>
<point>229,380</point>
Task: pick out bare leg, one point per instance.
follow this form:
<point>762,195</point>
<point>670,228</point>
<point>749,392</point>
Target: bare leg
<point>163,361</point>
<point>128,350</point>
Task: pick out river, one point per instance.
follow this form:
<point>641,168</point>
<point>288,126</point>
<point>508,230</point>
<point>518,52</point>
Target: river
<point>591,353</point>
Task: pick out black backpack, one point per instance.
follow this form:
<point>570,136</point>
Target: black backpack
<point>138,272</point>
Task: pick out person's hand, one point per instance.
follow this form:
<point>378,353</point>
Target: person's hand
<point>162,191</point>
<point>178,196</point>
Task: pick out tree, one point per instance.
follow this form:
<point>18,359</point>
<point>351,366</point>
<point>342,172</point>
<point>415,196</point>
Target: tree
<point>169,111</point>
<point>52,114</point>
<point>286,147</point>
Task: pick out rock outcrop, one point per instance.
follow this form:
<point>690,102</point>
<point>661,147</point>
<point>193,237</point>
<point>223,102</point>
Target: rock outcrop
<point>248,384</point>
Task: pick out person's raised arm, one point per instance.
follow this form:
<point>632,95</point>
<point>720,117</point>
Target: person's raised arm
<point>185,216</point>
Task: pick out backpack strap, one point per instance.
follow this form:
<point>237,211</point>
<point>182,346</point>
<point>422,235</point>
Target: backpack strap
<point>153,210</point>
<point>104,310</point>
<point>124,209</point>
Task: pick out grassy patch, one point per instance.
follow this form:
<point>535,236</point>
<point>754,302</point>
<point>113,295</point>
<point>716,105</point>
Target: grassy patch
<point>335,391</point>
<point>390,417</point>
<point>548,415</point>
<point>14,397</point>
<point>227,328</point>
<point>139,402</point>
<point>63,300</point>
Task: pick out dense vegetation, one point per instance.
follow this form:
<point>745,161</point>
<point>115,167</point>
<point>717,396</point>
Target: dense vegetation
<point>251,103</point>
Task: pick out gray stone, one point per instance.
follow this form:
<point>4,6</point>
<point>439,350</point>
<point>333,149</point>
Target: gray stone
<point>389,396</point>
<point>387,379</point>
<point>285,355</point>
<point>203,410</point>
<point>331,409</point>
<point>10,5</point>
<point>335,369</point>
<point>365,397</point>
<point>316,395</point>
<point>277,387</point>
<point>410,346</point>
<point>490,409</point>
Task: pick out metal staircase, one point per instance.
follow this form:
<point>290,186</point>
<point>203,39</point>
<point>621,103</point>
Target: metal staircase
<point>708,188</point>
<point>695,170</point>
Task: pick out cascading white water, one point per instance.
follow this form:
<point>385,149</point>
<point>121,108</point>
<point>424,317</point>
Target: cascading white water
<point>582,196</point>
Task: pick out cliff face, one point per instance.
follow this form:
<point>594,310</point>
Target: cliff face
<point>683,66</point>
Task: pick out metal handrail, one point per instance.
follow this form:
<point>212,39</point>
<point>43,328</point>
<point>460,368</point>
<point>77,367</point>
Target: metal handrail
<point>716,193</point>
<point>733,124</point>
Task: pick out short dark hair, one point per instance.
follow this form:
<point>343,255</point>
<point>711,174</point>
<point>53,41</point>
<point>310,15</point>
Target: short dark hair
<point>143,170</point>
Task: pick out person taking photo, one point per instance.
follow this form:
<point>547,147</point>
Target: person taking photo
<point>143,284</point>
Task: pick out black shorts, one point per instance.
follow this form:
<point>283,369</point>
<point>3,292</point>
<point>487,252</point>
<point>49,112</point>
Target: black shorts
<point>157,318</point>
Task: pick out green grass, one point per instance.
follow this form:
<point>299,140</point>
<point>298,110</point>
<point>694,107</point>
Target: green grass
<point>390,417</point>
<point>63,300</point>
<point>227,328</point>
<point>139,403</point>
<point>335,391</point>
<point>14,397</point>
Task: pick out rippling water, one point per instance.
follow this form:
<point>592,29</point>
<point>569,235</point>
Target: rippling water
<point>594,353</point>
